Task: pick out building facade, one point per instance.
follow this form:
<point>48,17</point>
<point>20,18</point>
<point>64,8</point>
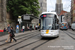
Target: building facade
<point>2,14</point>
<point>72,11</point>
<point>62,17</point>
<point>43,8</point>
<point>43,5</point>
<point>2,10</point>
<point>59,6</point>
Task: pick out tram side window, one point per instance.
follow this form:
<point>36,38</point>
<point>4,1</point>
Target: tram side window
<point>55,23</point>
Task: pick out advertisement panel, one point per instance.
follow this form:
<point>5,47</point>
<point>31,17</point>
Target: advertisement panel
<point>26,17</point>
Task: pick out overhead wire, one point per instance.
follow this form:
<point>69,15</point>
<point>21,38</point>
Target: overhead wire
<point>68,6</point>
<point>51,4</point>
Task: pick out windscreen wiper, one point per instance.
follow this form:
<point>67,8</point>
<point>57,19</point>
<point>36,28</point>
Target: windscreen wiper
<point>48,28</point>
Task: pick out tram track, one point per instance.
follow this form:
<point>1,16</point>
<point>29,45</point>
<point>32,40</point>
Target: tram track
<point>35,44</point>
<point>30,44</point>
<point>25,36</point>
<point>27,44</point>
<point>17,39</point>
<point>40,45</point>
<point>28,37</point>
<point>18,36</point>
<point>20,41</point>
<point>70,35</point>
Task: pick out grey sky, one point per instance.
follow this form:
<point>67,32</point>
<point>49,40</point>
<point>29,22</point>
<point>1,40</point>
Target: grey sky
<point>51,5</point>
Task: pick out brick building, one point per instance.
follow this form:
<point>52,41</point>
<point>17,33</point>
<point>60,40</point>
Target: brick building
<point>72,11</point>
<point>43,8</point>
<point>59,6</point>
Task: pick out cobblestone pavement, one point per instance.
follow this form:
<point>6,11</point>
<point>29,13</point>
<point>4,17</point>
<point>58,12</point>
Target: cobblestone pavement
<point>31,40</point>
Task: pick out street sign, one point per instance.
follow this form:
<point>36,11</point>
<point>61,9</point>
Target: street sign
<point>19,16</point>
<point>19,19</point>
<point>26,17</point>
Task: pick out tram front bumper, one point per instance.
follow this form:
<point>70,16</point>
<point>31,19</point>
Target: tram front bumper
<point>49,35</point>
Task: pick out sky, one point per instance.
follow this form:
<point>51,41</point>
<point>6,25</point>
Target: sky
<point>51,5</point>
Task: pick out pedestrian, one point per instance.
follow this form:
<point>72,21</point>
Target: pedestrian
<point>9,30</point>
<point>30,27</point>
<point>23,27</point>
<point>12,35</point>
<point>36,27</point>
<point>4,30</point>
<point>17,28</point>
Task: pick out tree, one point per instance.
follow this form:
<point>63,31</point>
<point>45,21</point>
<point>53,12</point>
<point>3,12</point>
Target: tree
<point>20,7</point>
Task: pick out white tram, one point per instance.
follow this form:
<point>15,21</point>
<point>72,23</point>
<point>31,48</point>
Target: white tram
<point>49,24</point>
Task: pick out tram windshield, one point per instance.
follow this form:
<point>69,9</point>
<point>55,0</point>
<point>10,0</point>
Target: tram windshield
<point>47,22</point>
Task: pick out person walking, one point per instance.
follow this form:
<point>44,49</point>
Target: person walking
<point>23,27</point>
<point>36,27</point>
<point>17,28</point>
<point>12,35</point>
<point>4,30</point>
<point>9,30</point>
<point>30,27</point>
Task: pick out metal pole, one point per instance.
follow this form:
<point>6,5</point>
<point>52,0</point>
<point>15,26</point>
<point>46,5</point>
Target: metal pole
<point>20,26</point>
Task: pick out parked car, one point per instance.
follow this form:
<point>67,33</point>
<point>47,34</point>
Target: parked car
<point>73,26</point>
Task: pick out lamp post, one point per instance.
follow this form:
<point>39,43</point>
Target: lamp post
<point>20,21</point>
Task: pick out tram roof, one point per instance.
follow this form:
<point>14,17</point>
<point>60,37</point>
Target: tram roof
<point>64,22</point>
<point>48,12</point>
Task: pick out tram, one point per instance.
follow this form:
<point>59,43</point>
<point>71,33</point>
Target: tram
<point>64,26</point>
<point>49,24</point>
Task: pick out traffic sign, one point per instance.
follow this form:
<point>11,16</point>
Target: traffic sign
<point>19,16</point>
<point>19,19</point>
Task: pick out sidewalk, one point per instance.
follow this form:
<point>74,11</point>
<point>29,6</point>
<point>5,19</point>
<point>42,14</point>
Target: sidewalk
<point>16,34</point>
<point>3,33</point>
<point>19,36</point>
